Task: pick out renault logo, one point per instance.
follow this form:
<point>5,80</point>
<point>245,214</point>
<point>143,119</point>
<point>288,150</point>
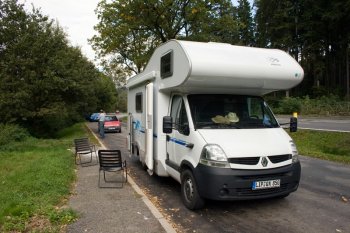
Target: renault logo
<point>264,161</point>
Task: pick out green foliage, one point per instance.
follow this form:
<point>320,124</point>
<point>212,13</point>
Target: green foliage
<point>35,179</point>
<point>325,105</point>
<point>332,146</point>
<point>315,33</point>
<point>289,105</point>
<point>63,216</point>
<point>129,31</point>
<point>74,131</point>
<point>121,104</point>
<point>45,84</point>
<point>10,133</point>
<point>246,24</point>
<point>106,94</point>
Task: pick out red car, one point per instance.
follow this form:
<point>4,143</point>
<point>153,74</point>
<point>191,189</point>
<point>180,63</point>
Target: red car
<point>112,124</point>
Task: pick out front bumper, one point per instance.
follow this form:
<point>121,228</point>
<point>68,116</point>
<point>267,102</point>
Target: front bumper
<point>234,184</point>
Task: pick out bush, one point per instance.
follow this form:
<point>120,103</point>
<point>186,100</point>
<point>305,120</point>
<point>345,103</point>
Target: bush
<point>289,105</point>
<point>325,105</point>
<point>12,132</point>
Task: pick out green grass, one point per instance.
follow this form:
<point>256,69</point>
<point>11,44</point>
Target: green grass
<point>333,146</point>
<point>35,182</point>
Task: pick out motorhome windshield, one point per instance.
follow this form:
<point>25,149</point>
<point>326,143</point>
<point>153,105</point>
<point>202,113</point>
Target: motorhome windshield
<point>213,111</point>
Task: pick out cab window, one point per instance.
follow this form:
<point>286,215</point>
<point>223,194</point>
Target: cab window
<point>179,115</point>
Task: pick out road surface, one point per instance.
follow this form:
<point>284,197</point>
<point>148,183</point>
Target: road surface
<point>340,124</point>
<point>321,204</point>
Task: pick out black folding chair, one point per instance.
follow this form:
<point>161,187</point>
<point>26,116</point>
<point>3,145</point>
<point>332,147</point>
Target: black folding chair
<point>111,161</point>
<point>84,147</point>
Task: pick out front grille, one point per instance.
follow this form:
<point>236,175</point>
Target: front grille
<point>271,176</point>
<point>250,192</point>
<point>279,158</point>
<point>245,160</point>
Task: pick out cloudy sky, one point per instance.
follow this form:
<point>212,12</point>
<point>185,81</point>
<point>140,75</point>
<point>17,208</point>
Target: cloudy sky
<point>76,17</point>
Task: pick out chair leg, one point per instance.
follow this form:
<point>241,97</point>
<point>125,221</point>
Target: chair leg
<point>87,162</point>
<point>90,157</point>
<point>99,178</point>
<point>96,157</point>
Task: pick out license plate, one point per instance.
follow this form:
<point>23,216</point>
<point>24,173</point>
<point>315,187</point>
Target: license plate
<point>266,184</point>
<point>111,128</point>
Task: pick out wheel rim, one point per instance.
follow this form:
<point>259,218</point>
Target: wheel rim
<point>188,189</point>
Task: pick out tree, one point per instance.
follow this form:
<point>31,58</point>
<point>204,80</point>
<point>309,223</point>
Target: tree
<point>315,33</point>
<point>245,23</point>
<point>45,84</point>
<point>129,30</point>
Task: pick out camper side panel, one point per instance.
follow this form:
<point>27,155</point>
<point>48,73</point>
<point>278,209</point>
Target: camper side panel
<point>136,107</point>
<point>161,106</point>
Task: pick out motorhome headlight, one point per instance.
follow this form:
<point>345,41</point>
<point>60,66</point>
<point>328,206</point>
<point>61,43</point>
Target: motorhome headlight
<point>295,154</point>
<point>213,155</point>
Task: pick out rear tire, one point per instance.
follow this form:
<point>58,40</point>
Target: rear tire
<point>189,192</point>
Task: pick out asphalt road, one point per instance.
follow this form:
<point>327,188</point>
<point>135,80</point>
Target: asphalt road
<point>321,204</point>
<point>341,124</point>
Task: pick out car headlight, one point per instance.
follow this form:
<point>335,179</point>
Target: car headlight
<point>295,154</point>
<point>213,155</point>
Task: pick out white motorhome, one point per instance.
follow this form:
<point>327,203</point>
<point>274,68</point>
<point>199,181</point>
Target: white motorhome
<point>196,113</point>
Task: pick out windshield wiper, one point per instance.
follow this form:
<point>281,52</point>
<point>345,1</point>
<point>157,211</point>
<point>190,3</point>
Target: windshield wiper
<point>204,124</point>
<point>258,124</point>
<point>234,126</point>
<point>270,126</point>
<point>217,125</point>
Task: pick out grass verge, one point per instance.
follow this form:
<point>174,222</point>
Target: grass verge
<point>333,146</point>
<point>35,182</point>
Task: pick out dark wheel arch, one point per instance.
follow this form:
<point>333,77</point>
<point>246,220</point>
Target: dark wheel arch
<point>189,191</point>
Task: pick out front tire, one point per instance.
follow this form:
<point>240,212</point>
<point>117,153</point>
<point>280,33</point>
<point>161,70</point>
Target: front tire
<point>189,192</point>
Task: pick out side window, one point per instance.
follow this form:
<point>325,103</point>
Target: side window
<point>138,102</point>
<point>179,115</point>
<point>255,108</point>
<point>183,120</point>
<point>166,65</point>
<point>175,105</point>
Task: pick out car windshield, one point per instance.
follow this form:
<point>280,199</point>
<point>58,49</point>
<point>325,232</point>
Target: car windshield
<point>111,118</point>
<point>213,111</point>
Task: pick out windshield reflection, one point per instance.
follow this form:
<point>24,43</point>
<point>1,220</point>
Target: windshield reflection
<point>213,111</point>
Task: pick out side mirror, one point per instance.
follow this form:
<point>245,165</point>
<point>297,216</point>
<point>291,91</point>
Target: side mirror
<point>167,124</point>
<point>293,124</point>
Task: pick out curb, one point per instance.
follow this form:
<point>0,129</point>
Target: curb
<point>165,224</point>
<point>158,215</point>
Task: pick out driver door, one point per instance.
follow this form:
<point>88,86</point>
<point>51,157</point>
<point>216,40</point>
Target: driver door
<point>177,141</point>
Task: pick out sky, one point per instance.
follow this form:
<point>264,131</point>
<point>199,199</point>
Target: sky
<point>76,17</point>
